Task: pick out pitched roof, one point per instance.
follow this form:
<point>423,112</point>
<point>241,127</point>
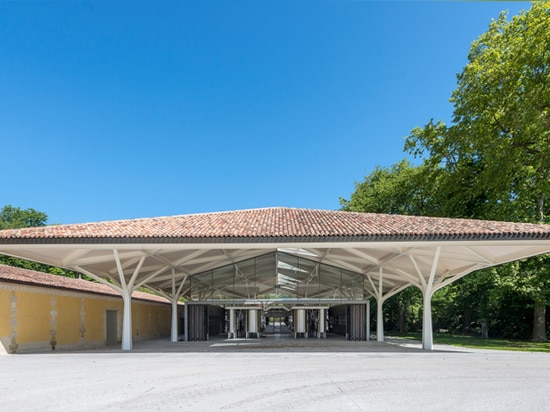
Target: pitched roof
<point>33,278</point>
<point>278,224</point>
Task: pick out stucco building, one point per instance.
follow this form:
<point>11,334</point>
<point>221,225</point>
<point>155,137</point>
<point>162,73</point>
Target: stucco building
<point>44,312</point>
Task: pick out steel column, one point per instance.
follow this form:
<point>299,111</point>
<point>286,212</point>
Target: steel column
<point>174,301</point>
<point>232,324</point>
<point>379,313</point>
<point>321,318</point>
<point>252,323</point>
<point>186,322</point>
<point>427,332</point>
<point>299,322</point>
<point>368,320</point>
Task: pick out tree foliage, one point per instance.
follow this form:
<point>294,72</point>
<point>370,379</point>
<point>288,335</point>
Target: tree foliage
<point>399,189</point>
<point>15,217</point>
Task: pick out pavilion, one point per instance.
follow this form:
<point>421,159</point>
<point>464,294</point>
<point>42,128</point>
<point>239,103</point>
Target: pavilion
<point>278,259</point>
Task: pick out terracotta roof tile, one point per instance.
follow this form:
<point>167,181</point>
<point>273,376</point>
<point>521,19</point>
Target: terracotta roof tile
<point>279,223</point>
<point>33,278</point>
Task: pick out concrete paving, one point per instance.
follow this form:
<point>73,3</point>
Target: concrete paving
<point>276,373</point>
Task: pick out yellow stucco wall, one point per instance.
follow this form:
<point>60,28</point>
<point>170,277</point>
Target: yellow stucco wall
<point>67,321</point>
<point>150,320</point>
<point>33,317</point>
<point>5,306</point>
<point>70,319</point>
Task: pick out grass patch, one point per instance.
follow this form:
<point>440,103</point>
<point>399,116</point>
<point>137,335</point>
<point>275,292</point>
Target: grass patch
<point>474,342</point>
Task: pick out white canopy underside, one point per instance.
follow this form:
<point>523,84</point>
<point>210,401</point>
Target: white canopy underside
<point>387,267</point>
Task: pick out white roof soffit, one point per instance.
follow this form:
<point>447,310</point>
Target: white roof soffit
<point>401,262</point>
<point>401,248</point>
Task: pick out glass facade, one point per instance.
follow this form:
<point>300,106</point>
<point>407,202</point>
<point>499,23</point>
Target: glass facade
<point>277,275</point>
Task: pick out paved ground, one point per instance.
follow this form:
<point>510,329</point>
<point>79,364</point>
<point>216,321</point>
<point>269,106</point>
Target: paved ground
<point>276,374</point>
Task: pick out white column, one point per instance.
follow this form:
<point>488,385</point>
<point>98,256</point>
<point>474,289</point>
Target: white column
<point>379,320</point>
<point>232,334</point>
<point>126,292</point>
<point>379,313</point>
<point>427,292</point>
<point>126,319</point>
<point>299,321</point>
<point>252,323</point>
<point>322,333</point>
<point>174,301</point>
<point>368,320</point>
<point>186,322</point>
<point>174,326</point>
<point>427,332</point>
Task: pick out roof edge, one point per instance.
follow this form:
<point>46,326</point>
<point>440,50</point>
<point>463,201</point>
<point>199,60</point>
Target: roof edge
<point>276,239</point>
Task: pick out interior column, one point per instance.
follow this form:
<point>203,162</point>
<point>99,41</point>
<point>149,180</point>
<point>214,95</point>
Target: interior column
<point>232,324</point>
<point>186,322</point>
<point>322,333</point>
<point>299,323</point>
<point>252,324</point>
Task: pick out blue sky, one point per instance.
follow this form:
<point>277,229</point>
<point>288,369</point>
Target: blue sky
<point>117,110</point>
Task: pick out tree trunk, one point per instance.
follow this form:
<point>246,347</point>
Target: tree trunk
<point>484,329</point>
<point>540,208</point>
<point>539,322</point>
<point>467,327</point>
<point>483,309</point>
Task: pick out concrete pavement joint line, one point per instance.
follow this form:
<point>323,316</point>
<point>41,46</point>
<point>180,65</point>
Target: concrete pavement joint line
<point>346,394</point>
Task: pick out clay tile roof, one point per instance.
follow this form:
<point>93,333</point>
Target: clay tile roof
<point>32,278</point>
<point>278,224</point>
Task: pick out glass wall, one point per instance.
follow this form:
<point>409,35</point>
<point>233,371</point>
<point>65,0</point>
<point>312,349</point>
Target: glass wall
<point>277,275</point>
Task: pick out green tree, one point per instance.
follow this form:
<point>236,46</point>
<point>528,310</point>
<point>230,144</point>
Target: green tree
<point>14,218</point>
<point>400,189</point>
<point>498,145</point>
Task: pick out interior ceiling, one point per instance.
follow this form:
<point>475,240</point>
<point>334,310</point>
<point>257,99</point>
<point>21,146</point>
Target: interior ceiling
<point>386,266</point>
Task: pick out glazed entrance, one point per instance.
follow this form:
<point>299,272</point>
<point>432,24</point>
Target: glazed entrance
<point>298,322</point>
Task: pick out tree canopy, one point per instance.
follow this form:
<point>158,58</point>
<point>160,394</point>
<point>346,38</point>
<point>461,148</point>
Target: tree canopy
<point>15,217</point>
